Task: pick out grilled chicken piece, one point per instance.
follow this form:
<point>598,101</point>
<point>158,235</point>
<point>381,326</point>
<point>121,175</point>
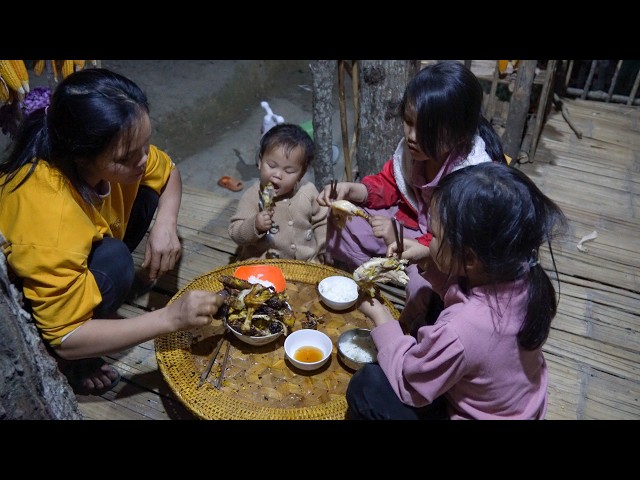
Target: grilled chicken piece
<point>256,297</point>
<point>235,283</point>
<point>350,209</point>
<point>380,270</point>
<point>311,321</point>
<point>267,193</point>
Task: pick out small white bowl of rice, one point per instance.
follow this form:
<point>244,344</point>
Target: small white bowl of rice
<point>356,348</point>
<point>338,292</point>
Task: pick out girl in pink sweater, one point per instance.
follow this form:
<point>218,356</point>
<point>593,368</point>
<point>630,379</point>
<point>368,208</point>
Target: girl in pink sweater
<point>482,359</point>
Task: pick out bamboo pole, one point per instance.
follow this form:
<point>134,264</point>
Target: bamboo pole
<point>587,85</point>
<point>491,107</point>
<point>343,121</point>
<point>634,90</point>
<point>613,81</point>
<point>568,76</point>
<point>355,86</point>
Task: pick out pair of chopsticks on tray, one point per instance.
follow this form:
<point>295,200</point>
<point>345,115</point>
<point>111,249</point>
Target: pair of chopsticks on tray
<point>398,232</point>
<point>212,360</point>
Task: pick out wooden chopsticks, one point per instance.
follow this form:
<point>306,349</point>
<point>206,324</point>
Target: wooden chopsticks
<point>212,360</point>
<point>333,193</point>
<point>399,234</point>
<point>224,366</point>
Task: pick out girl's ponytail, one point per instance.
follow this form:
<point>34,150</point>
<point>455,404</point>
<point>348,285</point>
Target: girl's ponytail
<point>492,142</point>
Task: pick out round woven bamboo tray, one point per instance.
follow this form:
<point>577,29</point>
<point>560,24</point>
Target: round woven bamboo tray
<point>259,384</point>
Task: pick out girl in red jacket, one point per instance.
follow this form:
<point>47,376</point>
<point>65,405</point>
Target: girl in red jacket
<point>444,130</point>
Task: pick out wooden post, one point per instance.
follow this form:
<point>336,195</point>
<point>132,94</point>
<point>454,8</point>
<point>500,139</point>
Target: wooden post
<point>519,108</point>
<point>541,113</point>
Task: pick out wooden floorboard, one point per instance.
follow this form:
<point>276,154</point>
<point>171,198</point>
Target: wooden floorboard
<point>593,348</point>
<point>593,351</point>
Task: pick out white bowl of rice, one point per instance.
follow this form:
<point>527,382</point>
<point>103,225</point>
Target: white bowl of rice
<point>338,292</point>
<point>356,348</point>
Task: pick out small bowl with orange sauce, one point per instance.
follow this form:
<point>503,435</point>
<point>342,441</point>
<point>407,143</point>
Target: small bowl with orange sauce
<point>308,349</point>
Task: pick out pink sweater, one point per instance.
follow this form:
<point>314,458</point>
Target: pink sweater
<point>470,355</point>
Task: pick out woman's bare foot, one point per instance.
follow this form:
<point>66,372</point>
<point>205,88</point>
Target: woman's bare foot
<point>91,376</point>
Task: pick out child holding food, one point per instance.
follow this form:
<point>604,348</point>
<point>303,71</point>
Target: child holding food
<point>482,359</point>
<point>444,130</point>
<point>278,216</point>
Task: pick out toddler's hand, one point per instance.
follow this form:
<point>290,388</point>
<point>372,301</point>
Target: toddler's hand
<point>264,221</point>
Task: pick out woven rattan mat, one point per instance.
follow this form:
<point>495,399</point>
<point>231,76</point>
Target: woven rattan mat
<point>259,383</point>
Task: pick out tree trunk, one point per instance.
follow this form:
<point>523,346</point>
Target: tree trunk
<point>31,385</point>
<point>324,74</point>
<point>382,84</point>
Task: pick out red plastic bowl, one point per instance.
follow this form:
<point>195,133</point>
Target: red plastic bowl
<point>269,273</point>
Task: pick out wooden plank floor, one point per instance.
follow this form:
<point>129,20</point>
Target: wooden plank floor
<point>594,347</point>
<point>593,350</point>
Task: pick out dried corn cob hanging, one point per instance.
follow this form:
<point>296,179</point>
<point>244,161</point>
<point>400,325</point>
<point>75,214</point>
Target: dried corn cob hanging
<point>21,71</point>
<point>5,94</point>
<point>67,68</point>
<point>54,70</point>
<point>38,67</point>
<point>10,77</point>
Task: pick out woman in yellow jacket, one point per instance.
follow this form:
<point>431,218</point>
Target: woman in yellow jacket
<point>78,191</point>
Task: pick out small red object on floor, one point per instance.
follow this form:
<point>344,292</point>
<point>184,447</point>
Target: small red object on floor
<point>231,183</point>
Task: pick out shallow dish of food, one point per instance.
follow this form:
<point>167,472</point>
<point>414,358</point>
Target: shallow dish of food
<point>356,348</point>
<point>256,340</point>
<point>338,292</point>
<point>254,313</point>
<point>308,349</point>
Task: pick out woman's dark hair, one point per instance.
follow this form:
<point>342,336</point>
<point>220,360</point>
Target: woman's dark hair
<point>499,213</point>
<point>289,136</point>
<point>447,98</point>
<point>89,111</point>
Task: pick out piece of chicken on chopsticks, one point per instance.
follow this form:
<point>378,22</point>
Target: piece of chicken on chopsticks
<point>380,270</point>
<point>344,209</point>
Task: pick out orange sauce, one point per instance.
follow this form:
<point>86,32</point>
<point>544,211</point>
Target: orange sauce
<point>308,354</point>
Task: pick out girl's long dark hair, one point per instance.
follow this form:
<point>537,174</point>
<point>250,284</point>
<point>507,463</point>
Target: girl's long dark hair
<point>498,212</point>
<point>447,98</point>
<point>89,110</point>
